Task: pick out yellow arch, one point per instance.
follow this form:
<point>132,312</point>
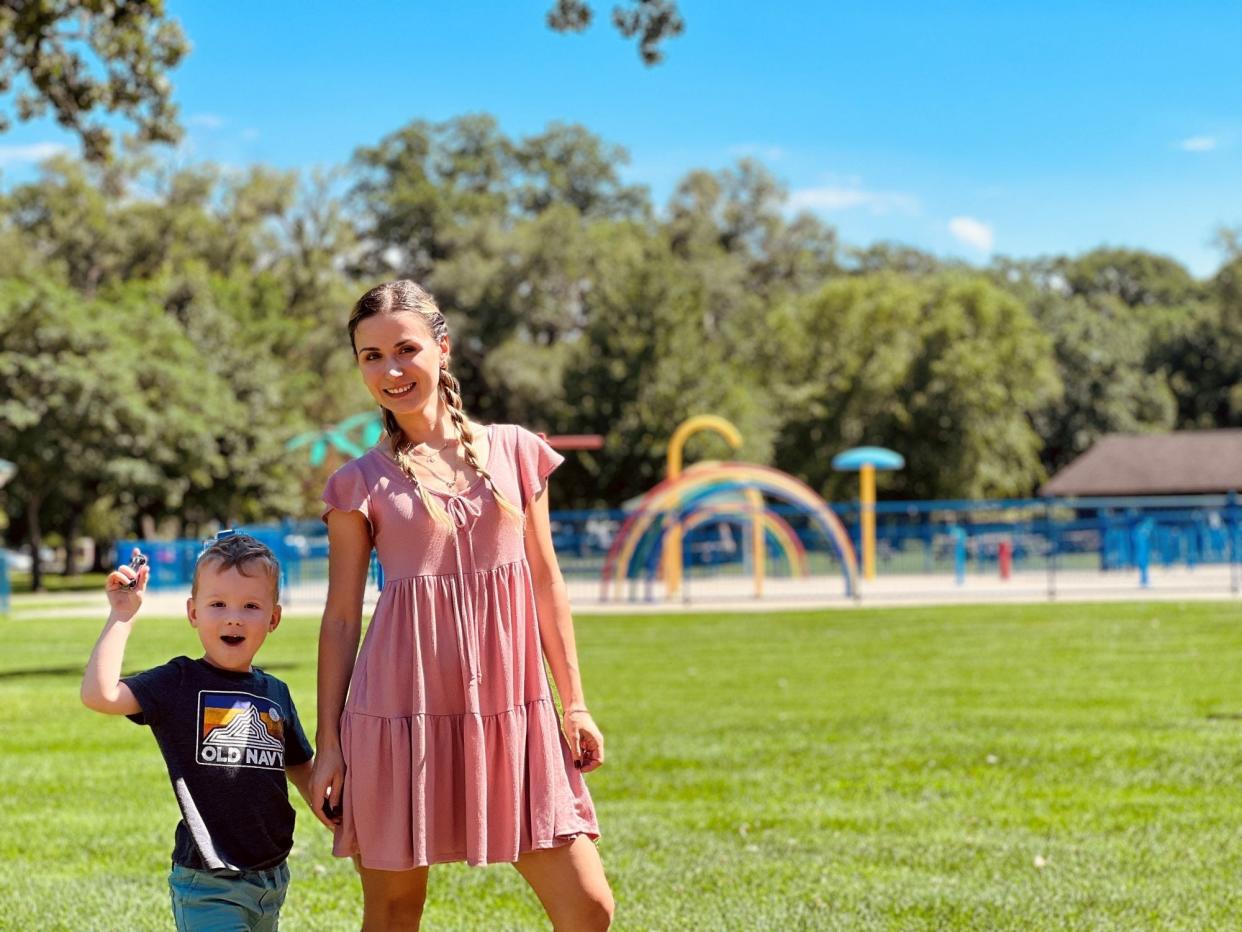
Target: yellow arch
<point>672,544</point>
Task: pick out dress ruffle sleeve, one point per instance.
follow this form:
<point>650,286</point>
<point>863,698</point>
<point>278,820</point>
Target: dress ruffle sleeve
<point>536,460</point>
<point>347,491</point>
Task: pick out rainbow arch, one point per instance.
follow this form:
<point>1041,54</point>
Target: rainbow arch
<point>675,499</point>
<point>776,529</point>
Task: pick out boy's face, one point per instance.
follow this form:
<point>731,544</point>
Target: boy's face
<point>233,614</point>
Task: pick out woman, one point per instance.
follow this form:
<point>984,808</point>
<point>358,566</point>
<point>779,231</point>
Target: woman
<point>449,746</point>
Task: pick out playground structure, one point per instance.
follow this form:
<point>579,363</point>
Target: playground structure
<point>356,434</point>
<point>1029,549</point>
<point>646,534</point>
<point>725,521</point>
<point>652,537</point>
<point>866,461</point>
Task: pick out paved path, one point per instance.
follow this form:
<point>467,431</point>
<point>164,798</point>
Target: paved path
<point>737,594</point>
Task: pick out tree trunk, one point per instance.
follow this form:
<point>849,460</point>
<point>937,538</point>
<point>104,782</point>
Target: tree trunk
<point>72,527</point>
<point>36,542</point>
<point>97,563</point>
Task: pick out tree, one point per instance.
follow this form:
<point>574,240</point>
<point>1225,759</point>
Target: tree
<point>1101,358</point>
<point>99,399</point>
<point>244,268</point>
<point>85,59</point>
<point>895,257</point>
<point>1135,277</point>
<point>432,190</point>
<point>568,164</point>
<point>422,184</point>
<point>1204,355</point>
<point>652,21</point>
<point>648,358</point>
<point>1105,348</point>
<point>943,370</point>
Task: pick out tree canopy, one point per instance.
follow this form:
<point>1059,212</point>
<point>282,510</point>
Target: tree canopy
<point>211,303</point>
<point>81,60</point>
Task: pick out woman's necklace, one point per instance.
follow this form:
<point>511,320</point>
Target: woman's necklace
<point>425,460</point>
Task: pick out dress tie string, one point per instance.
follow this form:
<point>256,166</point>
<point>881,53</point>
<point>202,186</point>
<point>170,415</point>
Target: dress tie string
<point>461,510</point>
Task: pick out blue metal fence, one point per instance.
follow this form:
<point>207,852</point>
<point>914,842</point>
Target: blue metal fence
<point>5,586</point>
<point>959,537</point>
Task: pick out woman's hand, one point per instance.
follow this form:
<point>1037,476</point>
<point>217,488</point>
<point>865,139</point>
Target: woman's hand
<point>327,785</point>
<point>586,742</point>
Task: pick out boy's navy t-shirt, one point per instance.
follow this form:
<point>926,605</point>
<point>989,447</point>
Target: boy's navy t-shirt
<point>226,738</point>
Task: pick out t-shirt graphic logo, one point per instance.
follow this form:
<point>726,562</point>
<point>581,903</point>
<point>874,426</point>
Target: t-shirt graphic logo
<point>240,730</point>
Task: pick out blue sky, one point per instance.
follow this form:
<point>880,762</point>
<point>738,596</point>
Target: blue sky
<point>1014,128</point>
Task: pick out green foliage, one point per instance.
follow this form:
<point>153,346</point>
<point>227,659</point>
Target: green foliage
<point>1107,337</point>
<point>1204,354</point>
<point>943,370</point>
<point>652,21</point>
<point>1137,342</point>
<point>433,190</point>
<point>84,59</point>
<point>1132,276</point>
<point>192,289</point>
<point>575,306</point>
<point>103,397</point>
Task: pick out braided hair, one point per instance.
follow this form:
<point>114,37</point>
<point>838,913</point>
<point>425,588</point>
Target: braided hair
<point>404,295</point>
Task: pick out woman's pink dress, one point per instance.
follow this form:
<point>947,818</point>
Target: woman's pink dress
<point>452,745</point>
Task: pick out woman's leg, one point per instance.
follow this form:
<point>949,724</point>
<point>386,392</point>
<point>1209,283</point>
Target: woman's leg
<point>571,885</point>
<point>392,901</point>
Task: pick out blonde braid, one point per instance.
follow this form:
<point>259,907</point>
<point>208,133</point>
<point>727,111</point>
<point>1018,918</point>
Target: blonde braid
<point>450,391</point>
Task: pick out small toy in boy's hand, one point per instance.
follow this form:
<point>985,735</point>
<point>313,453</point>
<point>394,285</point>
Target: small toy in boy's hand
<point>136,564</point>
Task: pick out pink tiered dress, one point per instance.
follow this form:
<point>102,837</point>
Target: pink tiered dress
<point>452,745</point>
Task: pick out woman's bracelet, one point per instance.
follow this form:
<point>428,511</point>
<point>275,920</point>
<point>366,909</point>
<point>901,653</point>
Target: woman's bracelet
<point>569,712</point>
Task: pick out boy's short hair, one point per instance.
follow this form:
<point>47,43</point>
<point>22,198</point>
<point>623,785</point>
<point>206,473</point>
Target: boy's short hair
<point>237,551</point>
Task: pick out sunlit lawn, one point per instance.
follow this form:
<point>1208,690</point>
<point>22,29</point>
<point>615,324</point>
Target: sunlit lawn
<point>1043,767</point>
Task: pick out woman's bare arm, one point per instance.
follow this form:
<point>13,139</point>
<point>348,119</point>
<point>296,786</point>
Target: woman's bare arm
<point>556,632</point>
<point>349,556</point>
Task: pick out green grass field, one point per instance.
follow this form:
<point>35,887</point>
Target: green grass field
<point>999,767</point>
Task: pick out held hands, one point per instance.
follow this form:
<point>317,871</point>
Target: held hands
<point>125,587</point>
<point>327,784</point>
<point>586,742</point>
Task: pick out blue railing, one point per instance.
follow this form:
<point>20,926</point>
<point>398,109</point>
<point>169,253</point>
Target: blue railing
<point>5,586</point>
<point>912,537</point>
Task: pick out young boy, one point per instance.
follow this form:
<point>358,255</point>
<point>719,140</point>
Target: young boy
<point>228,731</point>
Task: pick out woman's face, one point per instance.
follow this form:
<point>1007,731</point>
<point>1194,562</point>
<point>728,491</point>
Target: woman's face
<point>400,361</point>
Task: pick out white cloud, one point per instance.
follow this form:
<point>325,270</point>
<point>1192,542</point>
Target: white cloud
<point>35,152</point>
<point>205,120</point>
<point>1198,144</point>
<point>973,233</point>
<point>250,134</point>
<point>851,196</point>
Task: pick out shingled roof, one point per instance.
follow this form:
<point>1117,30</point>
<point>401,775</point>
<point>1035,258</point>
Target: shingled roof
<point>1178,463</point>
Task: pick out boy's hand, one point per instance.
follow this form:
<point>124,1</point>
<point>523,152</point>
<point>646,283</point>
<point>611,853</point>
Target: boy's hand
<point>126,587</point>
